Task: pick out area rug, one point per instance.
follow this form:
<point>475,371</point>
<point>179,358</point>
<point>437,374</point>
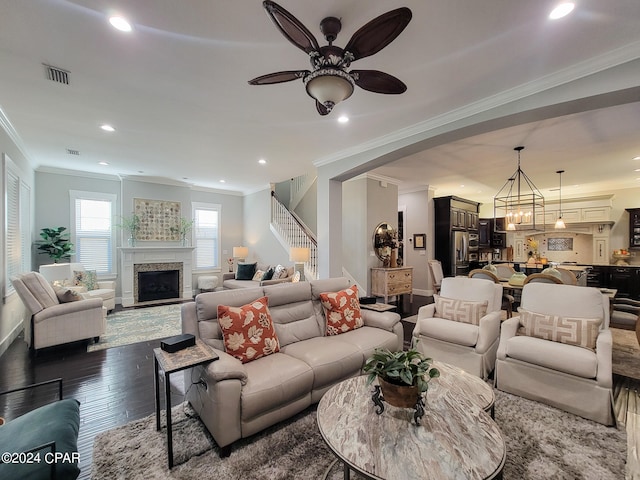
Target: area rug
<point>542,443</point>
<point>139,325</point>
<point>626,353</point>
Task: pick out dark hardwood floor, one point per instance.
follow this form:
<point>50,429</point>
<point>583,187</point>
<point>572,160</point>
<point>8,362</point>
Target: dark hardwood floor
<point>114,386</point>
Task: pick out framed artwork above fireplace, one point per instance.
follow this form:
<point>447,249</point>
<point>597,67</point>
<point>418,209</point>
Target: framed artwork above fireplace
<point>156,219</point>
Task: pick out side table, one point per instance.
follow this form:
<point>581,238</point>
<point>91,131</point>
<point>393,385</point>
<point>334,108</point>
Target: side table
<point>170,363</point>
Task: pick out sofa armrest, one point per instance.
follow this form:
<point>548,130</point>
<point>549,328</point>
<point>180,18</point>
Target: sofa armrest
<point>489,331</point>
<point>508,330</point>
<point>427,311</point>
<point>67,308</point>
<point>382,320</point>
<point>108,284</point>
<point>189,319</point>
<point>226,367</point>
<point>228,276</point>
<point>604,345</point>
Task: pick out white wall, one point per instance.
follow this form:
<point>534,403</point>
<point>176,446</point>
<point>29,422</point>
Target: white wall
<point>263,245</point>
<point>417,219</point>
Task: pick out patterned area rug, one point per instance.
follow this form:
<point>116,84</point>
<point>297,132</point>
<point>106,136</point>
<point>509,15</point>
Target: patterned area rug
<point>542,443</point>
<point>139,325</point>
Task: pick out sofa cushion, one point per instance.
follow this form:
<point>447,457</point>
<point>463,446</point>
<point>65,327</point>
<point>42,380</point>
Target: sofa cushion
<point>248,330</point>
<point>581,332</point>
<point>85,278</point>
<point>246,271</point>
<point>557,356</point>
<point>273,382</point>
<point>58,422</point>
<point>280,271</point>
<point>342,310</point>
<point>331,360</point>
<point>460,310</point>
<point>460,333</point>
<point>367,339</point>
<point>257,277</point>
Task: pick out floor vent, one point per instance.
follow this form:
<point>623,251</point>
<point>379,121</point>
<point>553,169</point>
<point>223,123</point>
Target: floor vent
<point>73,152</point>
<point>56,74</point>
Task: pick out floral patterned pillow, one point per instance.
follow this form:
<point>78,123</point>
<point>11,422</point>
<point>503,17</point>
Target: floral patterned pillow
<point>248,331</point>
<point>85,278</point>
<point>342,310</point>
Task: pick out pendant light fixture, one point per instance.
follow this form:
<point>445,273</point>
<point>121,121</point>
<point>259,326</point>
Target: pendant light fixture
<point>560,222</point>
<point>520,202</point>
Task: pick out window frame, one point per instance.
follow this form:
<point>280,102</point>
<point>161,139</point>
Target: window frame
<point>213,207</point>
<point>100,196</point>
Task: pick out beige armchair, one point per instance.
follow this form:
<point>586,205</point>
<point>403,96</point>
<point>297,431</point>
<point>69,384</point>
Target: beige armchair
<point>558,350</point>
<point>463,326</point>
<point>55,323</point>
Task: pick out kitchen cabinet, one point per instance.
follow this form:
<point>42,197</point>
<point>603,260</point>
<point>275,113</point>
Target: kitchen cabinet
<point>452,214</point>
<point>625,280</point>
<point>485,232</point>
<point>472,221</point>
<point>634,228</point>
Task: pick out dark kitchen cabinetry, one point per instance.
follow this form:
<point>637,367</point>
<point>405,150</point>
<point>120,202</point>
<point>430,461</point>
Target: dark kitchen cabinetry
<point>624,279</point>
<point>634,228</point>
<point>488,237</point>
<point>454,218</point>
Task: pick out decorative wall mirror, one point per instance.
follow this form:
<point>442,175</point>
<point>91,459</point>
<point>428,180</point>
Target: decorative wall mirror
<point>385,239</point>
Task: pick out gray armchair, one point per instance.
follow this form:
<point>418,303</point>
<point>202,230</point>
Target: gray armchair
<point>55,323</point>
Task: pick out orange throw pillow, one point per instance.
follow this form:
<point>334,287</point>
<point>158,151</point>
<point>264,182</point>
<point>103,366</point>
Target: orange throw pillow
<point>342,310</point>
<point>248,330</point>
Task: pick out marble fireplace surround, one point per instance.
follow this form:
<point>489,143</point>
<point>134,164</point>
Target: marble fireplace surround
<point>134,259</point>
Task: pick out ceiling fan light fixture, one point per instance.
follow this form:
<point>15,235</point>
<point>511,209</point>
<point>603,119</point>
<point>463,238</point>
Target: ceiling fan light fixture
<point>329,86</point>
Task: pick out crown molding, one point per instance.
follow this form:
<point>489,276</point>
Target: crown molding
<point>77,173</point>
<point>7,126</point>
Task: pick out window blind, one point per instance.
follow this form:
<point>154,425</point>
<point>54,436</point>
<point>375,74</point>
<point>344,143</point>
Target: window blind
<point>206,233</point>
<point>93,234</point>
<point>13,241</point>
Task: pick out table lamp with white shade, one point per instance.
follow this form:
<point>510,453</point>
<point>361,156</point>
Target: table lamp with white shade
<point>300,255</point>
<point>241,253</point>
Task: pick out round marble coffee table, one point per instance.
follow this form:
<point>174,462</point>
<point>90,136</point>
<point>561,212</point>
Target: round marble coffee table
<point>457,439</point>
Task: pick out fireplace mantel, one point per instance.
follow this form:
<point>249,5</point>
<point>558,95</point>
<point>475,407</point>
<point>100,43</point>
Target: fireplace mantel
<point>130,256</point>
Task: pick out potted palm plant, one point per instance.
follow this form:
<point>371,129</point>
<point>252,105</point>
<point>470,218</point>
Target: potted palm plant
<point>55,243</point>
<point>403,376</point>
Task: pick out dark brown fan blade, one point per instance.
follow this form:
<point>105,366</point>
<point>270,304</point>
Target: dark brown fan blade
<point>322,110</point>
<point>378,82</point>
<point>291,27</point>
<point>279,77</point>
<point>378,33</point>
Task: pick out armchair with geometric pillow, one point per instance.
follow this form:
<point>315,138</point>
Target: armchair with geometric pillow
<point>462,327</point>
<point>558,350</point>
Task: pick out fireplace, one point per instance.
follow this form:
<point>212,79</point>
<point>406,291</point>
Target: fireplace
<point>157,281</point>
<point>159,285</point>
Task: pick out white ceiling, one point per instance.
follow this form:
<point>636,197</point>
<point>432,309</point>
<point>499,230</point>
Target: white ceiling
<point>176,90</point>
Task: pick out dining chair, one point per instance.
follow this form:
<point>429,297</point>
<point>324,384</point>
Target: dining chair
<point>435,268</point>
<point>542,278</point>
<point>568,277</point>
<point>507,300</point>
<point>504,271</point>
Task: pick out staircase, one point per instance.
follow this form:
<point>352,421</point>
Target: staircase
<point>292,232</point>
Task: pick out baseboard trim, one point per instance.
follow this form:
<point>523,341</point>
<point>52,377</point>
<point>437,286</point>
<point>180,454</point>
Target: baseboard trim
<point>6,343</point>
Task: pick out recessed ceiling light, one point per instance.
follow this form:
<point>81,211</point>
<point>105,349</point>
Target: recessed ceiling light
<point>637,170</point>
<point>262,161</point>
<point>107,128</point>
<point>561,10</point>
<point>223,181</point>
<point>636,158</point>
<point>103,163</point>
<point>343,119</point>
<point>120,23</point>
<point>461,186</point>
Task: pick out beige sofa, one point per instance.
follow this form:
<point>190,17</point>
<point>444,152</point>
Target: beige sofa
<point>55,323</point>
<point>229,281</point>
<point>236,400</point>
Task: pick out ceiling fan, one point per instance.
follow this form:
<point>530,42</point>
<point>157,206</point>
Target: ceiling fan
<point>329,82</point>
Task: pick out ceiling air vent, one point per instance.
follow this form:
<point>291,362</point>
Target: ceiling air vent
<point>56,74</point>
<point>70,151</point>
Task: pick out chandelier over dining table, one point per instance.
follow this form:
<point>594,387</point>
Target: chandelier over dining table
<point>520,202</point>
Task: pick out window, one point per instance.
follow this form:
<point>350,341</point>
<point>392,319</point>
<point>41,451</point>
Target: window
<point>206,234</point>
<point>92,230</point>
<point>17,216</point>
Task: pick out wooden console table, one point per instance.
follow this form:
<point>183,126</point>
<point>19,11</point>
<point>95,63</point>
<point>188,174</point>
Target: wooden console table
<point>387,282</point>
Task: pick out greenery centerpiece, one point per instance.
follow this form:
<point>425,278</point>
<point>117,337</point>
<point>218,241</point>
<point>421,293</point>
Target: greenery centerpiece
<point>403,376</point>
<point>182,228</point>
<point>55,243</point>
<point>131,225</point>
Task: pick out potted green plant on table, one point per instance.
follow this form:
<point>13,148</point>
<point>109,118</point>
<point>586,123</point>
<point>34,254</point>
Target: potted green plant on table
<point>403,378</point>
<point>55,243</point>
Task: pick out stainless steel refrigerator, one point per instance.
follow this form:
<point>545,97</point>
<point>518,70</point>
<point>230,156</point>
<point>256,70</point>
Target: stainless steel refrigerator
<point>460,253</point>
